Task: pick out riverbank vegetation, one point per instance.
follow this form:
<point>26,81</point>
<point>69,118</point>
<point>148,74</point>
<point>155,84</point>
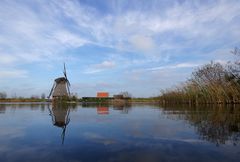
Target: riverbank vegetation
<point>145,100</point>
<point>22,100</point>
<point>34,98</point>
<point>4,98</point>
<point>213,83</point>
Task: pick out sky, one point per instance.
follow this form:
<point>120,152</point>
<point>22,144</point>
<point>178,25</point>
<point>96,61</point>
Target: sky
<point>137,46</point>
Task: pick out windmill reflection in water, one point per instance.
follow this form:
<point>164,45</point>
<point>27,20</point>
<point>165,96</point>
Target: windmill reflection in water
<point>60,117</point>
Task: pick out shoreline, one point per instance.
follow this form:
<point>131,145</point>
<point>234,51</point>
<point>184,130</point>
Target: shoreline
<point>40,101</point>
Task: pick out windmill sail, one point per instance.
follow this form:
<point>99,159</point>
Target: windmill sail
<point>51,91</point>
<point>68,83</point>
<point>64,71</point>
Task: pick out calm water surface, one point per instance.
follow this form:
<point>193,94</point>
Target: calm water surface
<point>137,133</point>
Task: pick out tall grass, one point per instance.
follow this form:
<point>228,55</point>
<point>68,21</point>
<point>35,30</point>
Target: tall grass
<point>212,83</point>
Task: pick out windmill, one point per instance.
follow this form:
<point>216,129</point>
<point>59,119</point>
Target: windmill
<point>60,87</point>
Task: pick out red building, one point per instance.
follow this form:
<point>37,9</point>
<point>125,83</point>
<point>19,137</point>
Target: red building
<point>102,94</point>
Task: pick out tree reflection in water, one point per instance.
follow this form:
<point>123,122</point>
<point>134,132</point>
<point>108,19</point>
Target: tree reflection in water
<point>217,124</point>
<point>122,106</point>
<point>60,117</point>
<point>2,108</point>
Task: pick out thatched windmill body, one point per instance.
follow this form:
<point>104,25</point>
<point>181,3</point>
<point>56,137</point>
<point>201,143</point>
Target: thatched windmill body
<point>61,87</point>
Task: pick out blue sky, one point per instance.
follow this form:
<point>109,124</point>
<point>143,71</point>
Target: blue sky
<point>136,46</point>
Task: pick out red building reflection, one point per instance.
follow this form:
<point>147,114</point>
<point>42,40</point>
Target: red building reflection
<point>102,110</point>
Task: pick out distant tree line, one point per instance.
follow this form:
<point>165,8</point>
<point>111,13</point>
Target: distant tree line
<point>15,98</point>
<point>213,83</point>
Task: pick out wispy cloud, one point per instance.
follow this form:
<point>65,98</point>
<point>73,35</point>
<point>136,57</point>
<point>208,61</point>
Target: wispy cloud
<point>32,36</point>
<point>181,65</point>
<point>13,73</point>
<point>7,59</point>
<point>142,43</point>
<point>105,65</point>
<point>46,35</point>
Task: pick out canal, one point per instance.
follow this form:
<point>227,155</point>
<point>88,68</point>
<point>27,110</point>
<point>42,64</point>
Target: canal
<point>129,133</point>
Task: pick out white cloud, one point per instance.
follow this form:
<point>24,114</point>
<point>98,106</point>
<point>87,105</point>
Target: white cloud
<point>32,36</point>
<point>47,33</point>
<point>180,65</point>
<point>142,42</point>
<point>7,59</point>
<point>105,65</point>
<point>69,39</point>
<point>185,65</point>
<point>13,73</point>
<point>188,15</point>
<point>192,22</point>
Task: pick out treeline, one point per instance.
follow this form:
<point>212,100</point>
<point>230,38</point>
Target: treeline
<point>33,98</point>
<point>213,83</point>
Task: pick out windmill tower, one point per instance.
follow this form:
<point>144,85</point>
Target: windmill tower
<point>60,88</point>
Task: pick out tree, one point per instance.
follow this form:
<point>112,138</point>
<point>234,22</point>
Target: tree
<point>3,95</point>
<point>43,96</point>
<point>74,97</point>
<point>213,73</point>
<point>34,97</point>
<point>126,94</point>
<point>234,67</point>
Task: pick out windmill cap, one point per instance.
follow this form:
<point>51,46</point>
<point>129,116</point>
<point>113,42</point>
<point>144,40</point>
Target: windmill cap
<point>60,79</point>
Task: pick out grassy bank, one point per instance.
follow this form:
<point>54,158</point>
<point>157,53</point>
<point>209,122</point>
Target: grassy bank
<point>145,100</point>
<point>22,100</point>
<point>88,100</point>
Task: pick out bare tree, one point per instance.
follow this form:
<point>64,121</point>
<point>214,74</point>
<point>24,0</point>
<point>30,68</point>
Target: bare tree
<point>43,96</point>
<point>34,97</point>
<point>3,95</point>
<point>234,67</point>
<point>126,94</point>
